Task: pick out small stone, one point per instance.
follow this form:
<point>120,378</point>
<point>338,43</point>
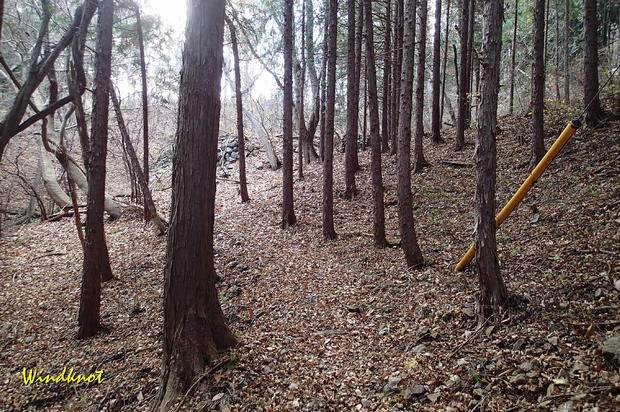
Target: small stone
<point>412,391</point>
<point>598,293</point>
<point>553,340</point>
<point>419,348</point>
<point>489,330</point>
<point>617,284</point>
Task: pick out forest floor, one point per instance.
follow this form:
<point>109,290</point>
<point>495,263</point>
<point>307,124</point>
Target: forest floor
<point>341,325</point>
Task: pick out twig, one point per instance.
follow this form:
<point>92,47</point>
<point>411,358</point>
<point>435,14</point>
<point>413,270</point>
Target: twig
<point>48,254</point>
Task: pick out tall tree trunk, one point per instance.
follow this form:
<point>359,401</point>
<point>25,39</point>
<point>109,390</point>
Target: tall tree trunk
<point>396,73</point>
<point>387,72</point>
<point>324,84</point>
<point>538,84</point>
<point>462,86</point>
<point>513,56</point>
<point>300,68</point>
<point>558,97</point>
<point>350,190</point>
<point>309,151</point>
<point>409,242</point>
<point>436,120</point>
<point>243,185</point>
<point>492,290</point>
<point>288,213</point>
<point>358,72</point>
<point>135,164</point>
<point>194,325</point>
<point>590,84</point>
<point>145,112</point>
<point>378,221</point>
<point>445,63</point>
<point>566,53</point>
<point>96,262</point>
<point>420,162</point>
<point>470,58</point>
<point>329,233</point>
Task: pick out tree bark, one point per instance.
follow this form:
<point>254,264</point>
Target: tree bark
<point>594,112</point>
<point>492,290</point>
<point>420,162</point>
<point>538,84</point>
<point>470,58</point>
<point>96,265</point>
<point>329,233</point>
<point>513,56</point>
<point>145,114</point>
<point>288,213</point>
<point>463,105</point>
<point>436,120</point>
<point>243,185</point>
<point>350,190</point>
<point>378,221</point>
<point>194,326</point>
<point>409,242</point>
<point>387,73</point>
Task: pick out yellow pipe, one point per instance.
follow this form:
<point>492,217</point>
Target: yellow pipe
<point>540,168</point>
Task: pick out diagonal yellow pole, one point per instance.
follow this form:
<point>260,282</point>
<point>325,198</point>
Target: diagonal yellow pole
<point>540,168</point>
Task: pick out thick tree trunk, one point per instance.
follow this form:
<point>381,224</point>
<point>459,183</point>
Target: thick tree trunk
<point>387,73</point>
<point>243,185</point>
<point>420,162</point>
<point>350,190</point>
<point>329,233</point>
<point>96,262</point>
<point>145,113</point>
<point>513,56</point>
<point>396,73</point>
<point>538,84</point>
<point>436,120</point>
<point>463,105</point>
<point>135,164</point>
<point>194,326</point>
<point>594,112</point>
<point>409,242</point>
<point>288,213</point>
<point>378,221</point>
<point>492,290</point>
<point>445,63</point>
